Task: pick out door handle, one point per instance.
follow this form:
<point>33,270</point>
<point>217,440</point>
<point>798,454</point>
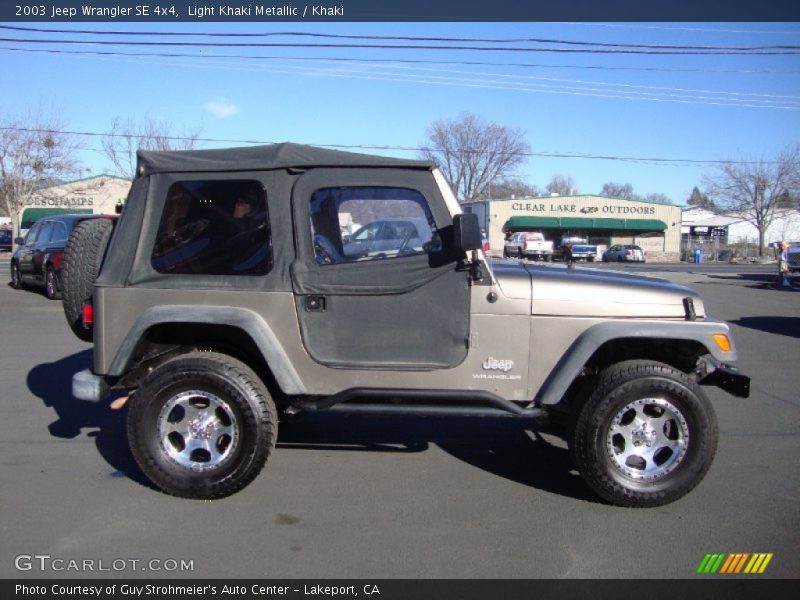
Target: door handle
<point>315,303</point>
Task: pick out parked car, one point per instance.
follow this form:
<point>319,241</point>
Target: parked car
<point>793,257</point>
<point>37,260</point>
<point>529,244</point>
<point>204,356</point>
<point>624,253</point>
<point>5,240</point>
<point>388,237</point>
<point>575,249</point>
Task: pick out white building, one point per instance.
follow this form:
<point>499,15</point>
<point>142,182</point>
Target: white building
<point>733,228</point>
<point>101,194</point>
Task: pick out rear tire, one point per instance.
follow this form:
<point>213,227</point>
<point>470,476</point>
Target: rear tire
<point>646,436</point>
<point>83,256</point>
<point>202,425</point>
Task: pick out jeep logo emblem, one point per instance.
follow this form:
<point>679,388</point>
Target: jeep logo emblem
<point>492,364</point>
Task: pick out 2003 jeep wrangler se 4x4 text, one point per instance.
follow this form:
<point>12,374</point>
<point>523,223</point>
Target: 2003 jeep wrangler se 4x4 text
<point>232,289</point>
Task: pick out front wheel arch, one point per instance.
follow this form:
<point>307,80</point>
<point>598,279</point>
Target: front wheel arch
<point>645,436</point>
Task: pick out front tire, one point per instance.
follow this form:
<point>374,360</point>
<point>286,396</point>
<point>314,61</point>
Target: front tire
<point>16,280</point>
<point>202,425</point>
<point>646,436</point>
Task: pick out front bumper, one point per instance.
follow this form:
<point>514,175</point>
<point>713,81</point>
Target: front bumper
<point>713,372</point>
<point>88,386</point>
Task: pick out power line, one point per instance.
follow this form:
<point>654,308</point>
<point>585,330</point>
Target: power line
<point>522,86</point>
<point>692,29</point>
<point>340,59</point>
<point>786,52</point>
<point>734,99</point>
<point>405,148</point>
<point>407,38</point>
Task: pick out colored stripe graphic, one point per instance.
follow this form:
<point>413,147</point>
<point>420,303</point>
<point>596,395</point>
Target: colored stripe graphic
<point>731,564</point>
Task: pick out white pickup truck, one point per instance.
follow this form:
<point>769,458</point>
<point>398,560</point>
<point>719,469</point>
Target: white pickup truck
<point>529,244</point>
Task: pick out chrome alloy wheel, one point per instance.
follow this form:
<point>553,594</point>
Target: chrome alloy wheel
<point>198,430</point>
<point>647,439</point>
<point>50,283</point>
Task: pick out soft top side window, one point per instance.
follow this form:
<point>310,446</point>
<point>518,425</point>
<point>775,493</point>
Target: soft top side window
<point>214,227</point>
<point>351,224</point>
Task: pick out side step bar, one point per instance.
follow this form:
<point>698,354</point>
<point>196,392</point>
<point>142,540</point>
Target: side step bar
<point>473,403</point>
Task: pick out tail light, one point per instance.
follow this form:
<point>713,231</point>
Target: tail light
<point>88,315</point>
<point>485,246</point>
<point>57,258</point>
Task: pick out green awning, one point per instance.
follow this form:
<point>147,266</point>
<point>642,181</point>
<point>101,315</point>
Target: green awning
<point>516,223</point>
<point>29,215</point>
<point>645,225</point>
<point>533,223</point>
<point>609,223</point>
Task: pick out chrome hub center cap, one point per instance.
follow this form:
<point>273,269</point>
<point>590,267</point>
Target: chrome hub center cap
<point>644,436</point>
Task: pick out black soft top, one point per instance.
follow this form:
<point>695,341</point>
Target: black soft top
<point>255,158</point>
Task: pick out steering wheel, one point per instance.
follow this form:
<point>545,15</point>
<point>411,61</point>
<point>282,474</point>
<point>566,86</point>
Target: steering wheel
<point>323,250</point>
<point>181,236</point>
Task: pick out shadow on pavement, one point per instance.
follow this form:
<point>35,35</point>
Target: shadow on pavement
<point>501,446</point>
<point>764,280</point>
<point>789,326</point>
<point>52,382</point>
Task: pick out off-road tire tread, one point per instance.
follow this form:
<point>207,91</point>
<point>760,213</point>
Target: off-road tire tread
<point>234,377</point>
<point>83,257</point>
<point>590,417</point>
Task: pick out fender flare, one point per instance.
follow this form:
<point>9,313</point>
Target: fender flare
<point>586,344</point>
<point>248,321</point>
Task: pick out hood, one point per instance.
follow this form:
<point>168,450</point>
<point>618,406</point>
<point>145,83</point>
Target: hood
<point>582,292</point>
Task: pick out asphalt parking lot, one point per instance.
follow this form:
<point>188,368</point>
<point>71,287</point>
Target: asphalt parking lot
<point>406,497</point>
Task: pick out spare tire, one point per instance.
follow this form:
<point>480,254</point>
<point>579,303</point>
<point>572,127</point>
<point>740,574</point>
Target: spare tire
<point>83,257</point>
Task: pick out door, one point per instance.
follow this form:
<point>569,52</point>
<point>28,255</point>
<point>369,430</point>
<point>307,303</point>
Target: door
<point>39,250</point>
<point>403,304</point>
<point>25,252</point>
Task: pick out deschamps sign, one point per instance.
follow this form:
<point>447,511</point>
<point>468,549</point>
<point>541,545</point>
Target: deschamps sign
<point>62,202</point>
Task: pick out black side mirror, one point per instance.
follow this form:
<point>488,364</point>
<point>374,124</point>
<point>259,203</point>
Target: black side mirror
<point>19,241</point>
<point>466,232</point>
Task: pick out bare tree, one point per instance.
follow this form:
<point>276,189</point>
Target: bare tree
<point>128,136</point>
<point>657,198</point>
<point>561,185</point>
<point>698,198</point>
<point>508,188</point>
<point>623,191</point>
<point>754,190</point>
<point>35,152</point>
<point>473,153</point>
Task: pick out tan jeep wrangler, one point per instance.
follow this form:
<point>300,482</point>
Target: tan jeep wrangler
<point>239,284</point>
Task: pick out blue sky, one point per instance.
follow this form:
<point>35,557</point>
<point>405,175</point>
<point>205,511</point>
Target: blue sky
<point>678,107</point>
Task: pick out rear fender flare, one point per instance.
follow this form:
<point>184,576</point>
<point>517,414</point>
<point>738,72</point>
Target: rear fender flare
<point>248,321</point>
